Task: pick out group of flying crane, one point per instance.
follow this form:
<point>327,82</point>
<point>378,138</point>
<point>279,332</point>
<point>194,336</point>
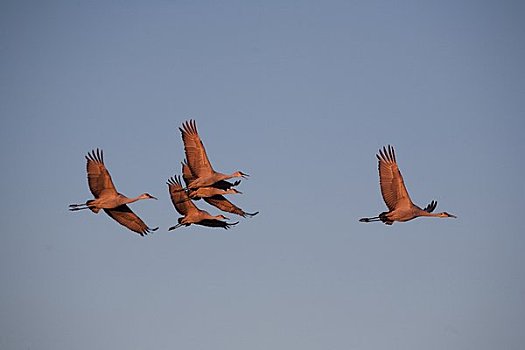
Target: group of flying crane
<point>203,182</point>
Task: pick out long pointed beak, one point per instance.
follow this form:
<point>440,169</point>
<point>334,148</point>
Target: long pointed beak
<point>245,175</point>
<point>154,198</point>
<point>452,216</point>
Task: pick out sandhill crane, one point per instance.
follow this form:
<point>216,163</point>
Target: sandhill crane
<point>198,160</point>
<point>107,197</point>
<point>222,187</point>
<point>218,199</point>
<point>192,215</point>
<point>395,193</point>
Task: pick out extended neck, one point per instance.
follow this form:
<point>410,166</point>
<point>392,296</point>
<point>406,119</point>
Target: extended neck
<point>131,200</point>
<point>435,215</point>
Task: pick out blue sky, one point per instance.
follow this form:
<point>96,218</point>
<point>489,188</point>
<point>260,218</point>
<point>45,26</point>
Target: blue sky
<point>300,95</point>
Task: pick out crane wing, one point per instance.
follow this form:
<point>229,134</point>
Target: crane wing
<point>430,207</point>
<point>124,216</point>
<point>393,188</point>
<point>216,223</point>
<point>223,204</point>
<point>99,179</point>
<point>187,175</point>
<point>180,199</point>
<point>226,185</point>
<point>195,152</point>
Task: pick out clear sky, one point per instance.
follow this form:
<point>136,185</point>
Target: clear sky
<point>300,95</point>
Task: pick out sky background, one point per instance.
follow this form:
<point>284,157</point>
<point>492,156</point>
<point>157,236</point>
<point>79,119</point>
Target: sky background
<point>300,95</point>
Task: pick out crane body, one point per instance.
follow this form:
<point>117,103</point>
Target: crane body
<point>198,160</point>
<point>401,208</point>
<point>107,198</point>
<point>217,200</point>
<point>191,214</point>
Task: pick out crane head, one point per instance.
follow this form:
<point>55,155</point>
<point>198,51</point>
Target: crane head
<point>241,174</point>
<point>446,215</point>
<point>147,196</point>
<point>222,217</point>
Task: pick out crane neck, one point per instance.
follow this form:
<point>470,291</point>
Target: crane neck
<point>131,200</point>
<point>426,213</point>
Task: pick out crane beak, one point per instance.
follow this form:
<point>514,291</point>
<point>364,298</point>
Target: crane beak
<point>245,175</point>
<point>452,216</point>
<point>154,197</point>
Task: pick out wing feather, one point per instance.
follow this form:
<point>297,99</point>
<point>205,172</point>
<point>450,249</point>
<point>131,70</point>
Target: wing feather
<point>187,175</point>
<point>180,199</point>
<point>99,179</point>
<point>430,207</point>
<point>124,216</point>
<point>393,187</point>
<point>225,205</point>
<point>195,152</point>
<point>216,223</point>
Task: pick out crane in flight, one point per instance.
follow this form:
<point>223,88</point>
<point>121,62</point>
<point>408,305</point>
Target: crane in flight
<point>222,187</point>
<point>217,200</point>
<point>191,214</point>
<point>400,206</point>
<point>198,159</point>
<point>107,197</point>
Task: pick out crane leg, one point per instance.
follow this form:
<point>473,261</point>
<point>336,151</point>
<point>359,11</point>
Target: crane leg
<point>375,218</point>
<point>74,207</point>
<point>175,227</point>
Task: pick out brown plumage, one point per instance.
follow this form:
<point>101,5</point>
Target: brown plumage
<point>191,214</point>
<point>400,206</point>
<point>107,197</point>
<point>222,187</point>
<point>217,200</point>
<point>198,159</point>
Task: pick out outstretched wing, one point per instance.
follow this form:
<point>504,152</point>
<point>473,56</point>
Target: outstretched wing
<point>99,179</point>
<point>195,152</point>
<point>180,199</point>
<point>223,204</point>
<point>430,207</point>
<point>124,216</point>
<point>226,185</point>
<point>187,175</point>
<point>393,188</point>
<point>217,223</point>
